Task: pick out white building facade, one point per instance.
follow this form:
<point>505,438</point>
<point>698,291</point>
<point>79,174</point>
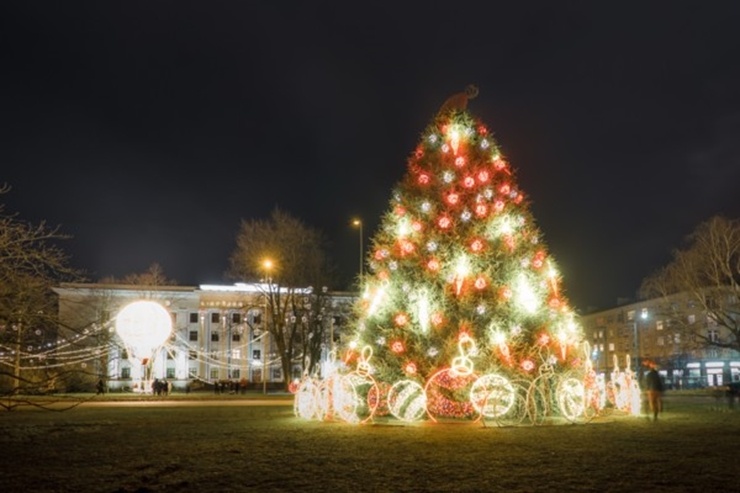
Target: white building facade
<point>218,338</point>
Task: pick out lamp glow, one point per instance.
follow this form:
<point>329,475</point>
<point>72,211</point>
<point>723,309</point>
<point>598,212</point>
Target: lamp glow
<point>143,326</point>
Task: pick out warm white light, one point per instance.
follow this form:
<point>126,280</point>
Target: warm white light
<point>377,298</point>
<point>404,229</point>
<point>143,326</point>
<point>423,311</point>
<point>525,295</point>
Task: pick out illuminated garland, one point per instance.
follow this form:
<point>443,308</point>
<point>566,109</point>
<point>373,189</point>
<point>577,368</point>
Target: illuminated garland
<point>462,304</point>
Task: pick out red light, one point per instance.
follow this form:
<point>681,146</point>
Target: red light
<point>453,198</point>
<point>397,347</point>
<point>444,222</point>
<point>460,161</point>
<point>406,247</point>
<point>484,176</point>
<point>481,210</point>
<point>424,179</point>
<point>468,182</point>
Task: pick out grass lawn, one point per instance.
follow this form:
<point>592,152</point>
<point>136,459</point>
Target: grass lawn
<point>147,445</point>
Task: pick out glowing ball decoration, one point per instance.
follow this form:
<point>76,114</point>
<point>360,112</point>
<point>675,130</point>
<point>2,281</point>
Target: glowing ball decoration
<point>356,396</point>
<point>407,401</point>
<point>493,395</point>
<point>306,403</point>
<point>143,326</point>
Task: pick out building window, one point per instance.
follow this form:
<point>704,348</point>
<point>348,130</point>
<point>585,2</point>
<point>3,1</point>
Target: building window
<point>192,372</point>
<point>256,354</point>
<point>124,354</point>
<point>236,337</point>
<point>215,317</point>
<point>236,318</point>
<point>611,347</point>
<point>214,373</point>
<point>214,336</point>
<point>661,341</point>
<point>193,335</point>
<point>170,373</point>
<point>170,356</point>
<point>676,338</point>
<point>193,318</point>
<point>630,315</point>
<point>692,319</point>
<point>659,325</point>
<point>235,374</point>
<point>126,372</point>
<point>192,355</point>
<point>713,335</point>
<point>236,353</point>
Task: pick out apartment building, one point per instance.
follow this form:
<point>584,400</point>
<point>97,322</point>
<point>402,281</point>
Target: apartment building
<point>670,333</point>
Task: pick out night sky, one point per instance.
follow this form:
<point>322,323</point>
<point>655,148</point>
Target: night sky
<point>148,130</point>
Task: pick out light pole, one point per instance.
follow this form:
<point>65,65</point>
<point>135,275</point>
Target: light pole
<point>358,223</point>
<point>638,362</point>
<point>267,264</point>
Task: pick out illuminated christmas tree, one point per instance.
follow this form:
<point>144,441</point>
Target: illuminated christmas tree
<point>460,284</point>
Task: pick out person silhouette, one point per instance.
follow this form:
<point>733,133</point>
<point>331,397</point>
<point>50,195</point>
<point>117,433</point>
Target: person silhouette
<point>654,387</point>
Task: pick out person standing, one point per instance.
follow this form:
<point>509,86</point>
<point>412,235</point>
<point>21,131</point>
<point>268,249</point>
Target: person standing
<point>654,387</point>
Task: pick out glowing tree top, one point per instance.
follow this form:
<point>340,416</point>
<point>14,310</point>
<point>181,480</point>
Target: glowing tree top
<point>458,271</point>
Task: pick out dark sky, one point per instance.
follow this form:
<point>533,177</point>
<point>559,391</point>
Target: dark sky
<point>148,130</point>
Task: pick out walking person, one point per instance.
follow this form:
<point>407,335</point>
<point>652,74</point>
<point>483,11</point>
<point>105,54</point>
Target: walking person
<point>654,387</point>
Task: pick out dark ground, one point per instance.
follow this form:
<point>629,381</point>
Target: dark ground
<point>242,444</point>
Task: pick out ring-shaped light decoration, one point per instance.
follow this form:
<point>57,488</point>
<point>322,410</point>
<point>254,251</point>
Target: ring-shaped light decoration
<point>306,401</point>
<point>493,395</point>
<point>143,326</point>
<point>571,396</point>
<point>356,396</point>
<point>407,401</point>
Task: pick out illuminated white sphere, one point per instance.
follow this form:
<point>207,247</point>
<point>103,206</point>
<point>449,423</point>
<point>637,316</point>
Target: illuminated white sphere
<point>407,401</point>
<point>143,326</point>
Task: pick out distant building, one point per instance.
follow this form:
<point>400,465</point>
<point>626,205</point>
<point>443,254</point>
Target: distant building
<point>663,332</point>
<point>218,334</point>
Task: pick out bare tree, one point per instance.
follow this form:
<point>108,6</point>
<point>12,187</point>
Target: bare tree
<point>298,265</point>
<point>701,286</point>
<point>31,263</point>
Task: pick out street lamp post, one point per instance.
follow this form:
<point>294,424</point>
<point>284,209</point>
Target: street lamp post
<point>636,339</point>
<point>267,264</point>
<point>358,223</point>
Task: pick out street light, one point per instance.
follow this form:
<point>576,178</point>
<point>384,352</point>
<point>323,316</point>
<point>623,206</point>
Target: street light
<point>644,316</point>
<point>358,223</point>
<point>267,265</point>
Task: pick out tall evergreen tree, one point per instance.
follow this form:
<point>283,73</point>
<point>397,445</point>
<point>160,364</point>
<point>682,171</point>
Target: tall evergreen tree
<point>459,275</point>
